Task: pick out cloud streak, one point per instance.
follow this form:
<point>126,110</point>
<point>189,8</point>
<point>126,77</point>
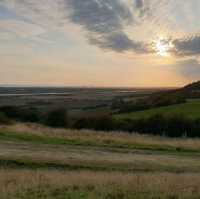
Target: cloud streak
<point>104,21</point>
<point>189,46</point>
<point>20,28</point>
<point>119,42</point>
<point>100,16</point>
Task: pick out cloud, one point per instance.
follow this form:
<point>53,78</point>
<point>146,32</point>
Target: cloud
<point>105,22</point>
<point>189,68</point>
<point>117,41</point>
<point>49,14</point>
<point>100,16</point>
<point>189,46</point>
<point>20,28</point>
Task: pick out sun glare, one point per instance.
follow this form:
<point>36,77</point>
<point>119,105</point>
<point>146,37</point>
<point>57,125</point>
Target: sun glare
<point>162,47</point>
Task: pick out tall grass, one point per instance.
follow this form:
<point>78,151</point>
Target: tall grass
<point>118,139</point>
<point>110,174</point>
<point>21,184</point>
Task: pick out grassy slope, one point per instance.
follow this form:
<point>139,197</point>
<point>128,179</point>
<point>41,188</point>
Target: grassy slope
<point>190,109</point>
<point>85,164</point>
<point>22,146</point>
<point>112,141</point>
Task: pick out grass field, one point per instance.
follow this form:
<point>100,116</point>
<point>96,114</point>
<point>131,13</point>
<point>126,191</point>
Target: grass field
<point>190,109</point>
<point>29,184</point>
<point>37,162</point>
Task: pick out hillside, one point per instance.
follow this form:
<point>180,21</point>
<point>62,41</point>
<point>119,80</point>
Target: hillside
<point>37,162</point>
<point>192,87</point>
<point>177,101</point>
<point>190,109</point>
<point>189,91</point>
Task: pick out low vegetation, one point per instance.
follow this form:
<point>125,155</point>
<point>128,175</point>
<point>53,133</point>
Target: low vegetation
<point>190,109</point>
<point>155,100</point>
<point>57,118</point>
<point>173,121</point>
<point>39,162</point>
<point>4,119</point>
<point>44,135</point>
<point>21,184</point>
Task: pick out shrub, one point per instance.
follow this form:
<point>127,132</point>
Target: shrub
<point>82,123</point>
<point>12,111</point>
<point>178,126</point>
<point>32,115</point>
<point>4,119</point>
<point>21,113</point>
<point>104,123</point>
<point>175,126</point>
<point>57,118</point>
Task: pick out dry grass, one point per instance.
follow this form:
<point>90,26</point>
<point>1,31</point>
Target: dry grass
<point>41,183</point>
<point>98,159</point>
<point>106,137</point>
<point>163,185</point>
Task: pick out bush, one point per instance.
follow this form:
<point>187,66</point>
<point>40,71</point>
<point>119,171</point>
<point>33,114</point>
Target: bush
<point>4,119</point>
<point>178,126</point>
<point>21,113</point>
<point>57,118</point>
<point>32,115</point>
<point>104,123</point>
<point>175,126</point>
<point>13,112</point>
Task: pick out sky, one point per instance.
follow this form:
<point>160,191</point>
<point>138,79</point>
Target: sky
<point>99,43</point>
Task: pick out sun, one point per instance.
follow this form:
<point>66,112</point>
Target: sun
<point>162,47</point>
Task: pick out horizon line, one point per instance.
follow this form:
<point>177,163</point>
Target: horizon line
<point>85,86</point>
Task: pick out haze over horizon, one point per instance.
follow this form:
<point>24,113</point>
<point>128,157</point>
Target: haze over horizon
<point>99,43</point>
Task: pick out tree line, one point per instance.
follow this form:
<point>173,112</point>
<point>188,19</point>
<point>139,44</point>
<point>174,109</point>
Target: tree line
<point>174,126</point>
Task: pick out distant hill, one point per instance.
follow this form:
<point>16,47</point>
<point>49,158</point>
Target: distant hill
<point>184,101</point>
<point>190,91</point>
<point>189,109</point>
<point>187,92</point>
<point>192,86</point>
<point>163,99</point>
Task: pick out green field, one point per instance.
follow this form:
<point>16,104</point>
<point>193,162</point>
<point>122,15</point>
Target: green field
<point>190,109</point>
<point>38,162</point>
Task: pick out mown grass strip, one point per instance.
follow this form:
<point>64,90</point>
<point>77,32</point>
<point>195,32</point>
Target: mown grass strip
<point>113,146</point>
<point>34,165</point>
<point>22,164</point>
